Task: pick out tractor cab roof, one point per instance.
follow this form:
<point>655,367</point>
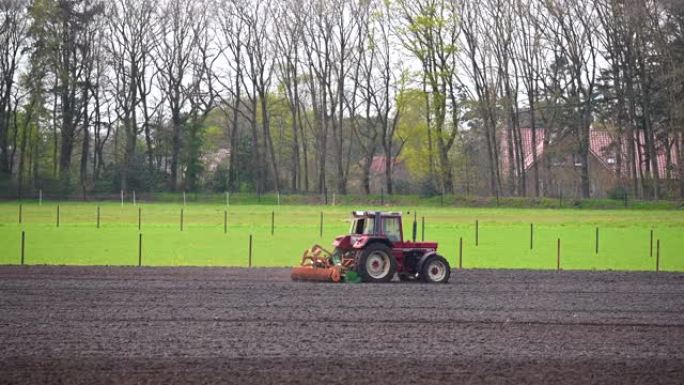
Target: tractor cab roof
<point>363,214</point>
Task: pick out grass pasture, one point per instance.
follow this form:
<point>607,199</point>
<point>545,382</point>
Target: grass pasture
<point>504,235</point>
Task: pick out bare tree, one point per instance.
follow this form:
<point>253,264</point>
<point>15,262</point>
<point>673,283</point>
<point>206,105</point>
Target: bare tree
<point>232,27</point>
<point>288,39</point>
<point>174,49</point>
<point>259,53</point>
<point>577,38</point>
<point>317,43</point>
<point>130,46</point>
<point>366,125</point>
<point>385,84</point>
<point>479,61</point>
<point>528,51</point>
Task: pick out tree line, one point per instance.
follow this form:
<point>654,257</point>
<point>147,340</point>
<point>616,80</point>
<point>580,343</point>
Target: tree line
<point>307,96</point>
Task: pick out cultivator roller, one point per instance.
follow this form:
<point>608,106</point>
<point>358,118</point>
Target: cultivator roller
<point>318,264</point>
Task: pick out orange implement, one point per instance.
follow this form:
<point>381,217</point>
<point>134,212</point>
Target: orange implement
<point>316,265</point>
<point>311,273</point>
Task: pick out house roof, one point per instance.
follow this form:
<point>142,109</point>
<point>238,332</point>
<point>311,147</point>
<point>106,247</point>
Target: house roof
<point>602,145</point>
<point>379,163</point>
<point>213,159</point>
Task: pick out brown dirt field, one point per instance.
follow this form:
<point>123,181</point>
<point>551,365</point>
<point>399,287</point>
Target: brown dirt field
<point>100,325</point>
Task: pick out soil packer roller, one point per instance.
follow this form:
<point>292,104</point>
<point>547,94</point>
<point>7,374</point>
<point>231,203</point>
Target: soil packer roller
<point>374,251</point>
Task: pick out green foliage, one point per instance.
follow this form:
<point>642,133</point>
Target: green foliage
<point>140,178</point>
<point>413,126</point>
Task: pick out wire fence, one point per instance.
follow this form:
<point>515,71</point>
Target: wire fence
<point>169,235</point>
<point>334,199</point>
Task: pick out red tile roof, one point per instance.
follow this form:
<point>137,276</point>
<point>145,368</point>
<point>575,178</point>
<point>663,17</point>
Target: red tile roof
<point>526,134</point>
<point>379,163</point>
<point>601,144</point>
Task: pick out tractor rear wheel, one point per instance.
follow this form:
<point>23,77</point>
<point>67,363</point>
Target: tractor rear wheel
<point>435,270</point>
<point>376,264</point>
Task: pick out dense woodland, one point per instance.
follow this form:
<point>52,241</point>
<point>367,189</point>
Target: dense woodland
<point>302,96</point>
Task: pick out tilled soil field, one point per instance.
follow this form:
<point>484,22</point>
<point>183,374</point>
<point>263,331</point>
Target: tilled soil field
<point>93,325</point>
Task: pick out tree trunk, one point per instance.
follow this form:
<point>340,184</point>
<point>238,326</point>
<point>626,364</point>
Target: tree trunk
<point>235,132</point>
<point>585,183</point>
<point>680,175</point>
<point>85,148</point>
<point>389,165</point>
<point>305,151</point>
<point>4,128</point>
<point>22,155</point>
<point>535,164</point>
<point>268,141</point>
<point>175,150</point>
<point>67,134</point>
<point>256,152</point>
<point>512,159</point>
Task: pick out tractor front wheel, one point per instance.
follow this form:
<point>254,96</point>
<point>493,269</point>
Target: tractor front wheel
<point>376,264</point>
<point>435,270</point>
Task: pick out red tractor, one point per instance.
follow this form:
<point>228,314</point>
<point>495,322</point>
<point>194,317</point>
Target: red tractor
<point>373,251</point>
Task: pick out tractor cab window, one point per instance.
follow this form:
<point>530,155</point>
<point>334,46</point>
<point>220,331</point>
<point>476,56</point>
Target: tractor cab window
<point>363,226</point>
<point>392,228</point>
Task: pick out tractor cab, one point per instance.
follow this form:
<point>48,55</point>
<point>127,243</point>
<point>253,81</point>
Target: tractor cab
<point>376,223</point>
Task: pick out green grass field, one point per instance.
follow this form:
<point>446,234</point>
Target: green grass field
<point>504,235</point>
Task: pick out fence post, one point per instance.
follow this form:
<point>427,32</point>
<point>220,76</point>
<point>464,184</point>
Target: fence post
<point>139,218</point>
<point>57,215</point>
<point>23,242</point>
<point>597,240</point>
<point>181,220</point>
<point>225,221</point>
<point>321,227</point>
<point>658,255</point>
<point>422,229</point>
<point>460,253</point>
<point>249,261</point>
<point>20,213</point>
<point>558,256</point>
<point>98,217</point>
<point>183,198</point>
<point>477,232</point>
<point>139,249</point>
<point>134,201</point>
<point>531,236</point>
<point>651,253</point>
<point>272,222</point>
<point>122,195</point>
